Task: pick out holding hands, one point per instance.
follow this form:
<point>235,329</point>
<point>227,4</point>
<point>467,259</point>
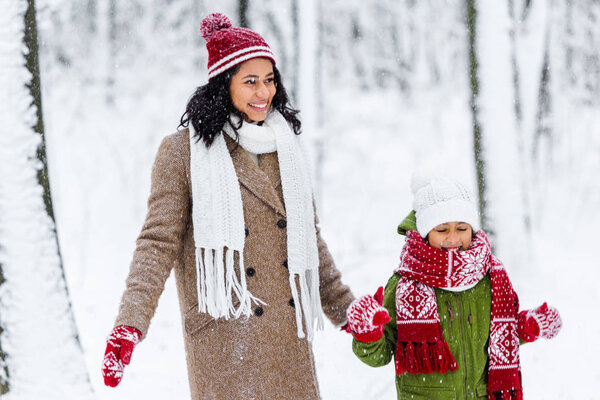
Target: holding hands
<point>119,347</point>
<point>543,321</point>
<point>367,317</point>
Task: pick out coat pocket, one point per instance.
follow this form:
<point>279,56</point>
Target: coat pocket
<point>426,393</point>
<point>482,390</point>
<point>194,320</point>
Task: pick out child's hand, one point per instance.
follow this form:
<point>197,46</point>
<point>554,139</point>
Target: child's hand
<point>367,317</point>
<point>543,322</point>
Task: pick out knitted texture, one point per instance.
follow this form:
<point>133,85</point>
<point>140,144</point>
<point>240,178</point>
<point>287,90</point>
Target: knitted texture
<point>548,319</point>
<point>218,221</point>
<point>214,23</point>
<point>253,138</point>
<point>367,317</point>
<point>229,46</point>
<point>439,199</point>
<point>421,347</point>
<point>543,321</point>
<point>119,346</point>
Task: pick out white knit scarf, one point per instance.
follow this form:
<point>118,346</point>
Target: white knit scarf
<point>219,228</point>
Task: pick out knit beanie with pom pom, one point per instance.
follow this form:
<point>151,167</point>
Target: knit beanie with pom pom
<point>439,199</point>
<point>229,46</point>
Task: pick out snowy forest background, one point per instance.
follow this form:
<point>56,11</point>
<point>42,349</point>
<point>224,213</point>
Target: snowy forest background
<point>504,94</point>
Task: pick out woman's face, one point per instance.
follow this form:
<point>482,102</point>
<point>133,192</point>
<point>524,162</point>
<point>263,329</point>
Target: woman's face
<point>252,89</point>
<point>451,236</point>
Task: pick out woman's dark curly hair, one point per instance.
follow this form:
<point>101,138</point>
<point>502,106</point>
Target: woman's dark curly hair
<point>210,107</point>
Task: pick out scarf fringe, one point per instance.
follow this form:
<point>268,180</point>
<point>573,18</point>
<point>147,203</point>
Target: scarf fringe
<point>216,282</point>
<point>424,358</point>
<point>310,300</point>
<point>296,298</point>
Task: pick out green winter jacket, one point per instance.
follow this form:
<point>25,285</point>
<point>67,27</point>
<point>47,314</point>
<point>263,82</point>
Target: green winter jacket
<point>465,321</point>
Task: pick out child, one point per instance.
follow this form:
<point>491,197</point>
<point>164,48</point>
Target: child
<point>449,313</point>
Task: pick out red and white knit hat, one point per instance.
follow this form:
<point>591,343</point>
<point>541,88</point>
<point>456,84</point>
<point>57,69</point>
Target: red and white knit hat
<point>229,46</point>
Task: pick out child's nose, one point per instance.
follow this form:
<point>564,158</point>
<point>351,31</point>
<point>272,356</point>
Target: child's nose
<point>453,237</point>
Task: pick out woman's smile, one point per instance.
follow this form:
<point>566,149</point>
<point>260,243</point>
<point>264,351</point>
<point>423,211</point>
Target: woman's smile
<point>259,106</point>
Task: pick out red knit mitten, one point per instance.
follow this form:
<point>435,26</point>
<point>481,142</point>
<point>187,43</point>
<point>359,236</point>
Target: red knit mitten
<point>367,317</point>
<point>543,322</point>
<point>119,347</point>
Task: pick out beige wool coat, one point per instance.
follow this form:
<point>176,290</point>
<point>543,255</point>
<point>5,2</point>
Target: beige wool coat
<point>238,359</point>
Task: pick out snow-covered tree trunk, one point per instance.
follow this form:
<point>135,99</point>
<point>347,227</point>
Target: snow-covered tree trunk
<point>498,129</point>
<point>296,44</point>
<point>39,337</point>
<point>3,358</point>
<point>474,82</point>
<point>243,13</point>
<point>111,66</point>
<point>566,133</point>
<point>275,21</point>
<point>518,12</point>
<point>318,99</point>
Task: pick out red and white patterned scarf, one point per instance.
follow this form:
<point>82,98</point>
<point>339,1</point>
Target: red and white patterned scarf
<point>421,347</point>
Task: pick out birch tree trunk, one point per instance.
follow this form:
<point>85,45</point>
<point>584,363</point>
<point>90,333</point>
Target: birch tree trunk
<point>493,106</point>
<point>477,145</point>
<point>39,339</point>
<point>243,13</point>
<point>4,375</point>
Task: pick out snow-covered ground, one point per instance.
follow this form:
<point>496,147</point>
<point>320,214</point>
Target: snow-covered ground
<point>365,192</point>
<point>108,101</point>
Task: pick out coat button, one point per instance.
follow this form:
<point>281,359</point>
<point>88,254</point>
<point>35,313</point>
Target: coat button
<point>246,231</point>
<point>285,264</point>
<point>258,311</point>
<point>250,271</point>
<point>291,303</point>
<point>281,223</point>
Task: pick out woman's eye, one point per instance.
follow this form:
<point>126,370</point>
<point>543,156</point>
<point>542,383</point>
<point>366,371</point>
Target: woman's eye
<point>250,81</point>
<point>440,230</point>
<point>269,80</point>
<point>462,229</point>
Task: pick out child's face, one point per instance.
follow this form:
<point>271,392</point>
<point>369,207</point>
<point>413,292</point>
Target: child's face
<point>451,236</point>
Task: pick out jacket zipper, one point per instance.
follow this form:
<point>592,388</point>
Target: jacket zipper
<point>462,341</point>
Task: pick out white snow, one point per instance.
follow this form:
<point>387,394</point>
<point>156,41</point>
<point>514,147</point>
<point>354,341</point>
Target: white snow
<point>44,357</point>
<point>385,108</point>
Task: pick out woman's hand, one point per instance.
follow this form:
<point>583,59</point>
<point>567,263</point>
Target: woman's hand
<point>119,347</point>
<point>367,317</point>
<point>543,322</point>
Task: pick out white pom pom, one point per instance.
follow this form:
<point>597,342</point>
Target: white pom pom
<point>213,23</point>
<point>420,179</point>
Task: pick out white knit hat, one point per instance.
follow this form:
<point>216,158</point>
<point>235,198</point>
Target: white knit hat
<point>439,199</point>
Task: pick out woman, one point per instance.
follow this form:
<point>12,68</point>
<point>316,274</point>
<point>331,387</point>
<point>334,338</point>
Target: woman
<point>231,211</point>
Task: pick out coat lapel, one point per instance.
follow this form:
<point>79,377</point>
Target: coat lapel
<point>261,183</point>
<point>269,164</point>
